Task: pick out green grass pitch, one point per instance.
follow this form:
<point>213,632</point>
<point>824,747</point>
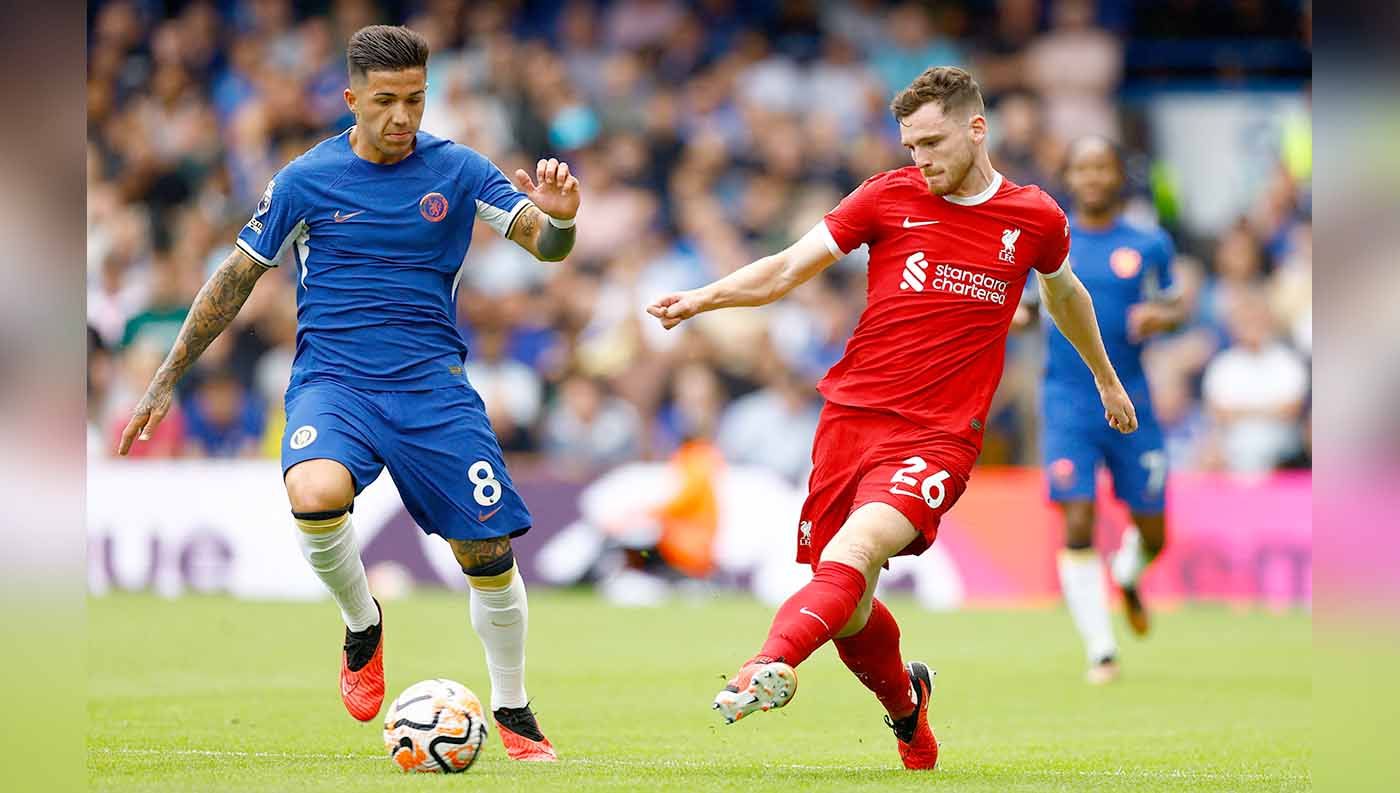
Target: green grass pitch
<point>210,694</point>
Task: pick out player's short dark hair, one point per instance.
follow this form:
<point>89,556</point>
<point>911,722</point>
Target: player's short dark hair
<point>952,88</point>
<point>1077,146</point>
<point>387,48</point>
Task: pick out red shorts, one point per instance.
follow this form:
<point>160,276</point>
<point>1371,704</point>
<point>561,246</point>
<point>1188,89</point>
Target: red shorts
<point>862,456</point>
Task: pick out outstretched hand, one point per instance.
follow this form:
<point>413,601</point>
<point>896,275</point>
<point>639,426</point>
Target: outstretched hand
<point>148,414</point>
<point>554,190</point>
<point>675,308</point>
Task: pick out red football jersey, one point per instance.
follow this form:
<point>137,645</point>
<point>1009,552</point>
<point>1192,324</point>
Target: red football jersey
<point>945,276</point>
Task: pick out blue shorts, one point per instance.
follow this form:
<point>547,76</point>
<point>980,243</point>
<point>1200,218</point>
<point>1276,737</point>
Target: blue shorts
<point>1073,451</point>
<point>438,446</point>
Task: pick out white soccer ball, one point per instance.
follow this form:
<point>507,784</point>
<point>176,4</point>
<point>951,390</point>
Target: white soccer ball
<point>436,727</point>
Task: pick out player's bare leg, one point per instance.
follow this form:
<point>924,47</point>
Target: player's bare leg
<point>321,492</point>
<point>1142,542</point>
<point>500,615</point>
<point>1081,580</point>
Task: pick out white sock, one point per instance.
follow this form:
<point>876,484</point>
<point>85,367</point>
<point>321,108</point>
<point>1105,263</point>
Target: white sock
<point>1081,580</point>
<point>1129,561</point>
<point>335,556</point>
<point>501,617</point>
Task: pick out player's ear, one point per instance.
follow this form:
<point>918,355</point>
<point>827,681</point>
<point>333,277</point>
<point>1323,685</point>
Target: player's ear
<point>978,125</point>
<point>350,99</point>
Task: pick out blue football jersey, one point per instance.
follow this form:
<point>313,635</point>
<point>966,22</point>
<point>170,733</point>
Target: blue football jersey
<point>1120,266</point>
<point>379,252</point>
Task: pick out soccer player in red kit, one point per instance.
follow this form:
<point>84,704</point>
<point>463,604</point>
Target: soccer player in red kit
<point>951,245</point>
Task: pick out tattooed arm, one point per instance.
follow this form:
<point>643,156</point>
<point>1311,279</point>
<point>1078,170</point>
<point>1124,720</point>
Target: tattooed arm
<point>556,195</point>
<point>214,308</point>
<point>533,232</point>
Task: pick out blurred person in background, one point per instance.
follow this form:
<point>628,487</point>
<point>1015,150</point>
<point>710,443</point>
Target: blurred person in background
<point>587,429</point>
<point>1075,67</point>
<point>511,391</point>
<point>1255,390</point>
<point>100,373</point>
<point>1128,270</point>
<point>378,377</point>
<point>222,418</point>
<point>773,426</point>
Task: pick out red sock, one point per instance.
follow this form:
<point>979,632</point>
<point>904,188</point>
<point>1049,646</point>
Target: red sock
<point>814,613</point>
<point>873,655</point>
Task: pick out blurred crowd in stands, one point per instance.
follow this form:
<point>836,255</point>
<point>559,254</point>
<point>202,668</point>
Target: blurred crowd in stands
<point>704,135</point>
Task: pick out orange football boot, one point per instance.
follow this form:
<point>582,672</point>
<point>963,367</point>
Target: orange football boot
<point>917,746</point>
<point>362,670</point>
<point>1136,611</point>
<point>521,736</point>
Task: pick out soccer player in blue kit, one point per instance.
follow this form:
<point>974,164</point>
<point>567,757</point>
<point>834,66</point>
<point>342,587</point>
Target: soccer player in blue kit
<point>378,220</point>
<point>1127,269</point>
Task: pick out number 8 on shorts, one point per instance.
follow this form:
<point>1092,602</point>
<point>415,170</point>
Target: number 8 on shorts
<point>486,489</point>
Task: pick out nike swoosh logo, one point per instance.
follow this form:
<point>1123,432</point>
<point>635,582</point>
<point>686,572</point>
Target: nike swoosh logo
<point>339,218</point>
<point>346,686</point>
<point>483,517</point>
<point>814,615</point>
<point>909,224</point>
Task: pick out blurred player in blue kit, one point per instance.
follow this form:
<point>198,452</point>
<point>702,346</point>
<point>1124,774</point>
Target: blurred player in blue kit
<point>1127,269</point>
<point>378,220</point>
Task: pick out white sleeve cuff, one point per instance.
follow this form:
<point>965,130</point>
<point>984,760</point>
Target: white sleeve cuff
<point>252,254</point>
<point>825,232</point>
<point>499,219</point>
<point>1059,271</point>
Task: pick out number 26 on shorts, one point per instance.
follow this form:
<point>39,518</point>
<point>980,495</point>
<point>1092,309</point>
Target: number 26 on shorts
<point>932,482</point>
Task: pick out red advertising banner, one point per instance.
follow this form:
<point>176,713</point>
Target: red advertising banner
<point>1229,538</point>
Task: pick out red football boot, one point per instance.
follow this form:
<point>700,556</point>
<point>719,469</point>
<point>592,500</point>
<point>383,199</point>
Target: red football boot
<point>362,670</point>
<point>917,746</point>
<point>759,686</point>
<point>521,736</point>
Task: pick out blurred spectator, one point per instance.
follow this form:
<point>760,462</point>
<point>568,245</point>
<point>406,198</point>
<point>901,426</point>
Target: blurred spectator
<point>1255,390</point>
<point>511,391</point>
<point>588,430</point>
<point>911,44</point>
<point>1024,150</point>
<point>222,419</point>
<point>100,374</point>
<point>773,426</point>
<point>168,301</point>
<point>1076,67</point>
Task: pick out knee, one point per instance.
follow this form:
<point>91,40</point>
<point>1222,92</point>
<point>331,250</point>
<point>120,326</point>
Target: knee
<point>855,551</point>
<point>1079,528</point>
<point>487,564</point>
<point>318,490</point>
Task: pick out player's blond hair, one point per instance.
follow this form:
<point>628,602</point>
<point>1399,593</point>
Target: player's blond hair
<point>952,88</point>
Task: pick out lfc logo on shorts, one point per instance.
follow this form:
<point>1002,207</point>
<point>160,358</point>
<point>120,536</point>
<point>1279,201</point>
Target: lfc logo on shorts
<point>804,533</point>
